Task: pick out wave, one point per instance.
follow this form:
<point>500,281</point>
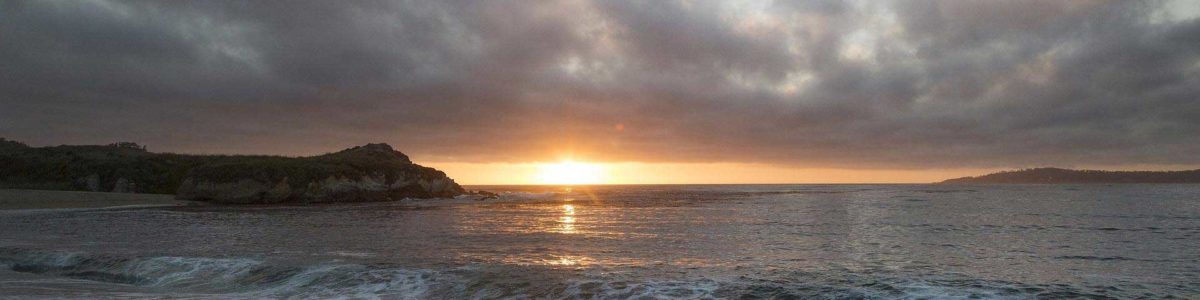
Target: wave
<point>200,277</point>
<point>528,195</point>
<point>513,196</point>
<point>1109,258</point>
<point>599,289</point>
<point>788,192</point>
<point>232,277</point>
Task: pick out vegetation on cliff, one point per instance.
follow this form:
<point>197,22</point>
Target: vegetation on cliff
<point>1057,175</point>
<point>93,168</point>
<point>128,167</point>
<point>374,172</point>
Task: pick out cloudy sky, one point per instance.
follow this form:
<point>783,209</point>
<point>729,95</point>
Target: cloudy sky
<point>480,86</point>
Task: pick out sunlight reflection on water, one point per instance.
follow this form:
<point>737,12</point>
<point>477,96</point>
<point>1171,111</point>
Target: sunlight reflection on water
<point>567,221</point>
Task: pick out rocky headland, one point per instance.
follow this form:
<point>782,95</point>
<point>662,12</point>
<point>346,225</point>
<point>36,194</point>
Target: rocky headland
<point>373,172</point>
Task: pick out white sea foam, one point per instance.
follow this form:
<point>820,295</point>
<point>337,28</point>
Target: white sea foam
<point>600,289</point>
<point>352,281</point>
<point>235,277</point>
<point>189,271</point>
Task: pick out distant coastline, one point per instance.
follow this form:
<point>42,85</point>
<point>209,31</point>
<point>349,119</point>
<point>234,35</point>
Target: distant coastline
<point>1059,175</point>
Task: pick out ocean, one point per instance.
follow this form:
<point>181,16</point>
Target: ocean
<point>638,241</point>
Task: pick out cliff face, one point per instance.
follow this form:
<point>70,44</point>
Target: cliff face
<point>374,172</point>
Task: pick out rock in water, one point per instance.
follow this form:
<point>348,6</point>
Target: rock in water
<point>373,172</point>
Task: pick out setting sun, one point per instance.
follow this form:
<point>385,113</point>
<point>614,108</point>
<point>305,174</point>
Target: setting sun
<point>570,172</point>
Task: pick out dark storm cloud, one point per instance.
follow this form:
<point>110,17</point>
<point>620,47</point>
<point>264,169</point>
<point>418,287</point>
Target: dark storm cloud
<point>816,83</point>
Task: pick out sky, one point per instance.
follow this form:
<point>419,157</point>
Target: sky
<point>649,91</point>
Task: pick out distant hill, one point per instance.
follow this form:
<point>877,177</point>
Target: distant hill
<point>1057,175</point>
<point>373,172</point>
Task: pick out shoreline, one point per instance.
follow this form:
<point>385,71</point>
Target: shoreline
<point>19,199</point>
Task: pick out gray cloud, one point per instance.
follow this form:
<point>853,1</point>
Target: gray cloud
<point>905,84</point>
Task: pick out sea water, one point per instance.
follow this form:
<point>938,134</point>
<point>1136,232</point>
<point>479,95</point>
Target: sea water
<point>618,242</point>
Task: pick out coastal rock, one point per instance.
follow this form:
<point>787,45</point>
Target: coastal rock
<point>483,195</point>
<point>373,172</point>
<point>244,191</point>
<point>124,186</point>
<point>92,182</point>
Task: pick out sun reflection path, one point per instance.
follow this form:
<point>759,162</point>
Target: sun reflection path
<point>569,260</point>
<point>567,221</point>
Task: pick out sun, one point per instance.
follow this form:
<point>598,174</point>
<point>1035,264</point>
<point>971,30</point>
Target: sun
<point>570,172</point>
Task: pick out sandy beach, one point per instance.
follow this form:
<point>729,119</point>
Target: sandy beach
<point>37,199</point>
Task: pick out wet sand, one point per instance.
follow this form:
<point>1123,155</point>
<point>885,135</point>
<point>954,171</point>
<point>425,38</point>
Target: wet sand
<point>36,199</point>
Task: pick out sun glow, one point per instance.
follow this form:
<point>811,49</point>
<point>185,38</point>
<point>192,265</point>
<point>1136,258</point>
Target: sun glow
<point>570,172</point>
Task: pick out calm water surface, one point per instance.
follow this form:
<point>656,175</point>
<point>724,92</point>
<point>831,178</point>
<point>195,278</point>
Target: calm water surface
<point>704,241</point>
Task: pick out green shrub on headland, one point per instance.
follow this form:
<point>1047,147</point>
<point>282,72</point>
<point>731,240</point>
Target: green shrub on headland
<point>91,168</point>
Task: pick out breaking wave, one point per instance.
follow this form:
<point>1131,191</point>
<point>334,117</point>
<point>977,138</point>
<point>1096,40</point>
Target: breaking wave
<point>198,277</point>
<point>519,196</point>
<point>239,277</point>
